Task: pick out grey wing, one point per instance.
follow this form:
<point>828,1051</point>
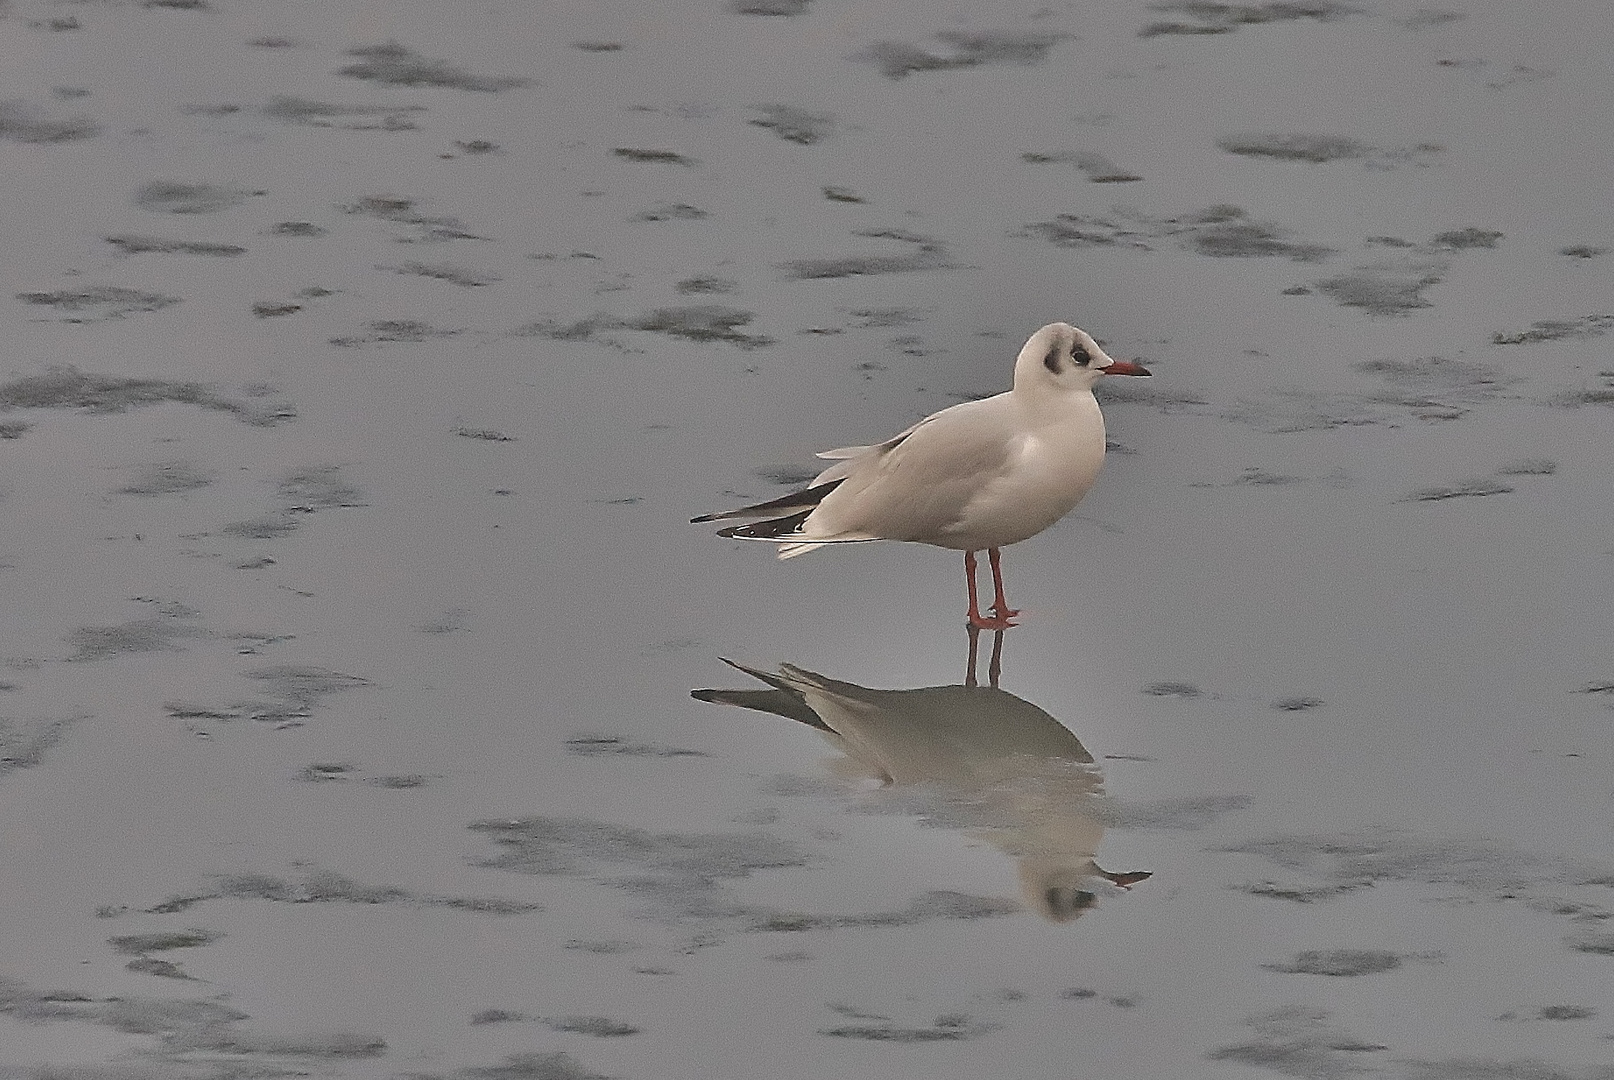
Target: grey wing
<point>847,457</point>
<point>919,486</point>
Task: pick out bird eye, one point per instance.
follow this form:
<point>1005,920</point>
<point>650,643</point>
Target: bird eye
<point>1078,353</point>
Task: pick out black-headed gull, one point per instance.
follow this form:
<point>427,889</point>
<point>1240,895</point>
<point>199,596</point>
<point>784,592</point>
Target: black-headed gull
<point>977,476</point>
<point>992,762</point>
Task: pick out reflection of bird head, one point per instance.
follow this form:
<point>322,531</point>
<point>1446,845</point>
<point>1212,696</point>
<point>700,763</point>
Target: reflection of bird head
<point>1058,893</point>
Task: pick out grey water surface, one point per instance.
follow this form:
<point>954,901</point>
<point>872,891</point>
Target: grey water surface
<point>365,362</point>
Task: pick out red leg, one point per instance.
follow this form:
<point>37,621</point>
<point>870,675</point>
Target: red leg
<point>1000,603</point>
<point>995,621</point>
<point>975,642</point>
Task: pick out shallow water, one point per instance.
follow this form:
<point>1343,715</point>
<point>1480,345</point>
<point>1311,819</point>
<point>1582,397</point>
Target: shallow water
<point>367,361</point>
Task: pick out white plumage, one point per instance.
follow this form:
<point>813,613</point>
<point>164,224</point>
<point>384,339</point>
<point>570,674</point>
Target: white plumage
<point>977,476</point>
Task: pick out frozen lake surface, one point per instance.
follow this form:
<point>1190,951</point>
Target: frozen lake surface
<point>365,362</point>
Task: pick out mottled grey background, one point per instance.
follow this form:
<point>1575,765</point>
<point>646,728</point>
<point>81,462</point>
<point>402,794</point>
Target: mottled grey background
<point>365,361</point>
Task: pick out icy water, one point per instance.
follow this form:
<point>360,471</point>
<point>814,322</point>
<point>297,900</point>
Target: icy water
<point>365,362</point>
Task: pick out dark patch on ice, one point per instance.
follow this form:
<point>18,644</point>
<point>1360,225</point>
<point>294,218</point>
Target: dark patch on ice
<point>663,157</point>
<point>163,969</point>
<point>795,125</point>
<point>1556,330</point>
<point>769,7</point>
<point>786,474</point>
<point>1077,993</point>
<point>928,254</point>
<point>1386,288</point>
<point>698,286</point>
<point>1098,168</point>
<point>395,65</point>
<point>1467,489</point>
<point>182,1033</point>
<point>603,745</point>
<point>1529,467</point>
<point>945,1029</point>
<point>1424,18</point>
<point>56,25</point>
<point>701,322</point>
<point>141,245</point>
<point>526,1066</point>
<point>1598,944</point>
<point>1297,1041</point>
<point>454,275</point>
<point>599,1026</point>
<point>1078,230</point>
<point>497,1016</point>
<point>1460,380</point>
<point>21,122</point>
<point>265,309</point>
<point>1566,1012</point>
<point>1295,147</point>
<point>295,110</point>
<point>483,434</point>
<point>401,210</point>
<point>141,635</point>
<point>393,330</point>
<point>1339,962</point>
<point>304,685</point>
<point>178,5</point>
<point>598,46</point>
<point>329,887</point>
<point>1228,232</point>
<point>275,41</point>
<point>268,527</point>
<point>873,318</point>
<point>1254,477</point>
<point>321,772</point>
<point>177,197</point>
<point>1492,1069</point>
<point>1340,862</point>
<point>23,742</point>
<point>670,212</point>
<point>610,947</point>
<point>296,228</point>
<point>1463,239</point>
<point>1297,704</point>
<point>1582,251</point>
<point>1215,18</point>
<point>1172,689</point>
<point>169,478</point>
<point>1220,231</point>
<point>837,193</point>
<point>162,941</point>
<point>398,782</point>
<point>14,429</point>
<point>968,48</point>
<point>98,302</point>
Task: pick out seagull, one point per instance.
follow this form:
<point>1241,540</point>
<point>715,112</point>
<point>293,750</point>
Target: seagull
<point>978,476</point>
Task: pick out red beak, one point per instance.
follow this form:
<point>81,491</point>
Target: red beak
<point>1126,367</point>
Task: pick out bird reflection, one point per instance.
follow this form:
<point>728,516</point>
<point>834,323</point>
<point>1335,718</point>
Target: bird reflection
<point>976,757</point>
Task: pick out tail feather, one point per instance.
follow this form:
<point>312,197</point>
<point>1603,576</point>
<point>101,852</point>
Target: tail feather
<point>805,499</point>
<point>772,529</point>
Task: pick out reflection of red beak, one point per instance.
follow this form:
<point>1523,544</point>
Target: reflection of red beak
<point>1126,367</point>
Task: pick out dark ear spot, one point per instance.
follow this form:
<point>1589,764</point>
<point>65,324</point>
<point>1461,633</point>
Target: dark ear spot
<point>1079,353</point>
<point>1051,361</point>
